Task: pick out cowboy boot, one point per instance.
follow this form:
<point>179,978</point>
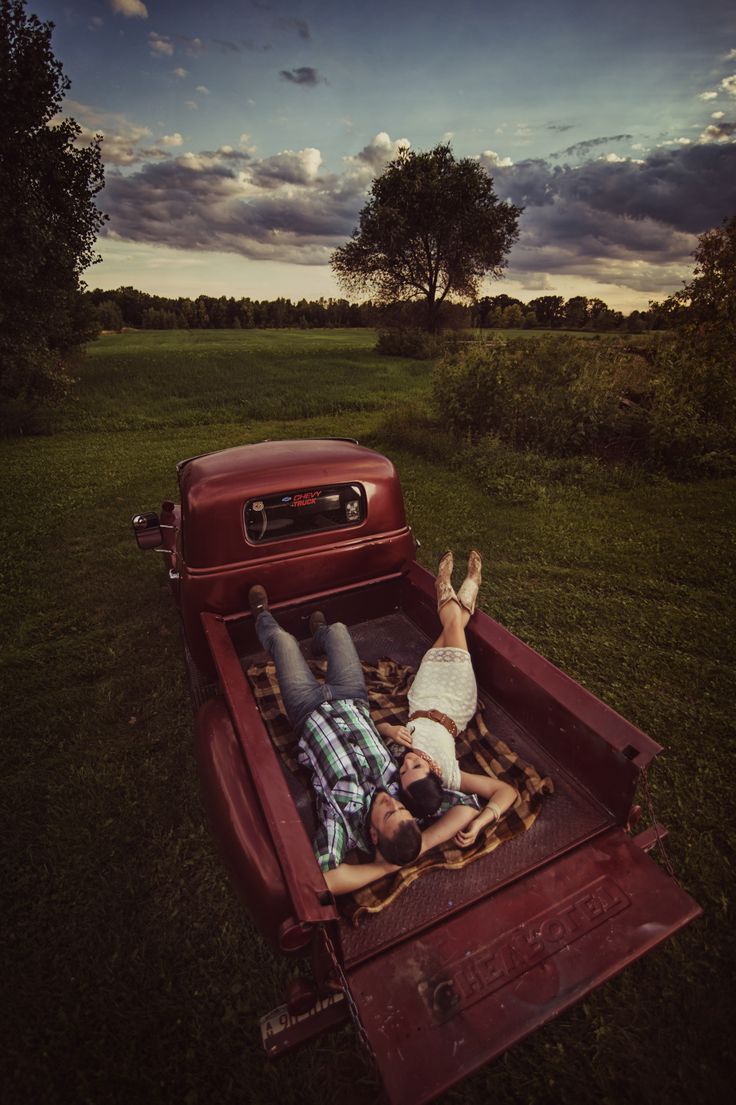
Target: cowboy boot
<point>443,583</point>
<point>467,593</point>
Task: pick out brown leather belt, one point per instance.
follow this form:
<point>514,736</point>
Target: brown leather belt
<point>437,715</point>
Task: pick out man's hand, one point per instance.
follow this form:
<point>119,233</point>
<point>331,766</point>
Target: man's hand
<point>400,734</point>
<point>452,822</point>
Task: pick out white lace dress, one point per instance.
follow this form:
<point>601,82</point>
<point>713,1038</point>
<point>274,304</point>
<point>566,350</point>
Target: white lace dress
<point>445,681</point>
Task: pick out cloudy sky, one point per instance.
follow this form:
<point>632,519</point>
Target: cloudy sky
<point>240,136</point>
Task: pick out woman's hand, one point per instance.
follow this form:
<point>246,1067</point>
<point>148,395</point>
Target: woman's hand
<point>398,733</point>
<point>468,836</point>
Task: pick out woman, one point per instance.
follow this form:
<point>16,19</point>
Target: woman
<point>442,700</point>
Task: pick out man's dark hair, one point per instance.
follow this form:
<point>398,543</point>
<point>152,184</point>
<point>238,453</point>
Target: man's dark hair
<point>423,797</point>
<point>404,846</point>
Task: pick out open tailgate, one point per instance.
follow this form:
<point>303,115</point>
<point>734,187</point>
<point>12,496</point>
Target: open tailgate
<point>443,1003</point>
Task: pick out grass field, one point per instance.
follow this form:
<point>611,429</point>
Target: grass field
<point>131,974</point>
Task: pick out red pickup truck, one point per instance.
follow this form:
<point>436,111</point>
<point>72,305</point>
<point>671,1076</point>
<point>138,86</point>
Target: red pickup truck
<point>464,962</point>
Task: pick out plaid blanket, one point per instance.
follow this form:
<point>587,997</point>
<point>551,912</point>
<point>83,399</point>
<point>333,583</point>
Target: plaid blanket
<point>478,750</point>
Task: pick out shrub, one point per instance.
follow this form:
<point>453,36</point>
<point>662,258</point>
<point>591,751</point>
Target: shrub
<point>408,343</point>
<point>691,408</point>
<point>513,476</point>
<point>667,404</point>
<point>555,395</point>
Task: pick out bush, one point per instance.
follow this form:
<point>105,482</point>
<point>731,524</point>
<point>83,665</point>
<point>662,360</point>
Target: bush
<point>408,343</point>
<point>691,408</point>
<point>500,471</point>
<point>666,404</point>
<point>34,379</point>
<point>419,344</point>
<point>554,395</point>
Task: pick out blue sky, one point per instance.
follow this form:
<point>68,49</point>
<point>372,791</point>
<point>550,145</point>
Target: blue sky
<point>240,138</point>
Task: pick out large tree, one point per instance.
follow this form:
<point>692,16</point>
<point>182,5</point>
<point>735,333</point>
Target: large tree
<point>708,302</point>
<point>48,219</point>
<point>432,226</point>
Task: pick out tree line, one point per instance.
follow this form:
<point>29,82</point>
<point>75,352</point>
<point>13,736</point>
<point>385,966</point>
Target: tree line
<point>554,312</point>
<point>128,307</point>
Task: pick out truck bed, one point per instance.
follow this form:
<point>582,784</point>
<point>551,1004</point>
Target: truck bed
<point>569,816</point>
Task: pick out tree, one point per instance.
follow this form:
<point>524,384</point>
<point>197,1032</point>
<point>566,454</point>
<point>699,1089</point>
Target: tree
<point>512,318</point>
<point>432,226</point>
<point>48,220</point>
<point>109,315</point>
<point>549,309</point>
<point>576,312</point>
<point>708,302</point>
<point>700,352</point>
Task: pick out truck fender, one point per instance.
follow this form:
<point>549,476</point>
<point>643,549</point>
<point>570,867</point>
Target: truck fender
<point>237,821</point>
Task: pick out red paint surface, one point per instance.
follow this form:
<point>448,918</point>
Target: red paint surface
<point>438,1006</point>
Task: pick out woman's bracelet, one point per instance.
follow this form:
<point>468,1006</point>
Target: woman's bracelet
<point>495,810</point>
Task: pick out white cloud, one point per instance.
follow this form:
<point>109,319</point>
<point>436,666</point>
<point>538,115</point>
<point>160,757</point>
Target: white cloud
<point>718,114</point>
<point>192,105</point>
<point>708,96</point>
<point>491,159</point>
<point>719,132</point>
<point>612,158</point>
<point>535,281</point>
<point>180,72</point>
<point>728,84</point>
<point>275,208</point>
<point>288,167</point>
<point>121,137</point>
<point>131,9</point>
<point>372,158</point>
<point>174,139</point>
<point>731,55</point>
<point>160,44</point>
<point>203,89</point>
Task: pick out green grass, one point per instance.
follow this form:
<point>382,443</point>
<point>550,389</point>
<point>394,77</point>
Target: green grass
<point>147,380</point>
<point>132,973</point>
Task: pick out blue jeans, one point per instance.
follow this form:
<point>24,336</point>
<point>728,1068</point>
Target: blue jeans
<point>299,689</point>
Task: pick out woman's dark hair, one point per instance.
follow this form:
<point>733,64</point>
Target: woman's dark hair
<point>423,797</point>
<point>404,846</point>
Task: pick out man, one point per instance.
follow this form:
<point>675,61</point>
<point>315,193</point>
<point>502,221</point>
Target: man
<point>354,776</point>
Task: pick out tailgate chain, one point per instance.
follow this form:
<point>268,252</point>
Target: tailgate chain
<point>363,1040</point>
<point>660,839</point>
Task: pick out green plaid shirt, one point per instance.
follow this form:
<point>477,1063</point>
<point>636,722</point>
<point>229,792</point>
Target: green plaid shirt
<point>348,762</point>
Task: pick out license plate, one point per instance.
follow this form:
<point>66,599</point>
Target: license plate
<point>280,1020</point>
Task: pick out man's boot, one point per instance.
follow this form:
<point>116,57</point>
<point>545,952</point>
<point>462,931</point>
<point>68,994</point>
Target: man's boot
<point>257,600</point>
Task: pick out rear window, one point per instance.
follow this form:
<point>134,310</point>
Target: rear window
<point>308,510</point>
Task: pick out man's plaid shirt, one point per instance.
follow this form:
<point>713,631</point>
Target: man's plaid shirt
<point>348,762</point>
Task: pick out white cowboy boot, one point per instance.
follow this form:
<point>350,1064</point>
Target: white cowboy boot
<point>443,583</point>
<point>467,593</point>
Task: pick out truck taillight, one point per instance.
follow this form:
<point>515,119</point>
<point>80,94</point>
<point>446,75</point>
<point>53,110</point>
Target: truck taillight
<point>294,936</point>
